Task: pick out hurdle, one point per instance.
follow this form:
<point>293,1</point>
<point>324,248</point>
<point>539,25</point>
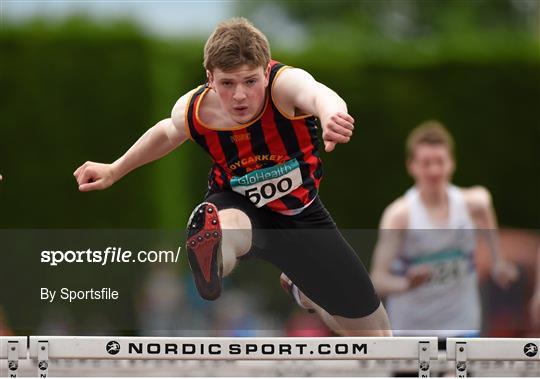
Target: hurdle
<point>45,348</point>
<point>465,350</point>
<point>13,349</point>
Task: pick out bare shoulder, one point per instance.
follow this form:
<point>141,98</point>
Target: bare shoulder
<point>291,91</point>
<point>396,215</point>
<point>290,81</point>
<point>179,110</point>
<point>477,198</point>
<point>290,77</point>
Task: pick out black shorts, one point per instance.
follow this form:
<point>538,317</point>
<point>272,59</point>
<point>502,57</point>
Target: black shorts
<point>311,251</point>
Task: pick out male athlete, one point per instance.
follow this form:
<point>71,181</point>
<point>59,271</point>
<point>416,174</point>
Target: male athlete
<point>423,262</point>
<point>257,120</point>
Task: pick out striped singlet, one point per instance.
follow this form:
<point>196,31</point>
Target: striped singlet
<point>273,160</point>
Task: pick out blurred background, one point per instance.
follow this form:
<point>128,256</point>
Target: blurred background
<point>83,80</point>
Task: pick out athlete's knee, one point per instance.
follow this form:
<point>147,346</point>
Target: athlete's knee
<point>237,233</point>
<point>234,219</point>
<point>375,324</point>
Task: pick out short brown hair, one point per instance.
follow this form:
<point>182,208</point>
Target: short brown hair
<point>430,132</point>
<point>234,43</point>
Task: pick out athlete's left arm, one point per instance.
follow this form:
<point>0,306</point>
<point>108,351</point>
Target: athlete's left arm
<point>481,208</point>
<point>296,89</point>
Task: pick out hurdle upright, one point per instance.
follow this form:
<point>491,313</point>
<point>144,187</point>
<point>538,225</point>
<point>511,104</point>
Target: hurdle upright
<point>45,348</point>
<point>464,350</point>
<point>13,349</point>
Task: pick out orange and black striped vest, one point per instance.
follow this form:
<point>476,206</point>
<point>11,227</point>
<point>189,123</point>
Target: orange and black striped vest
<point>277,152</point>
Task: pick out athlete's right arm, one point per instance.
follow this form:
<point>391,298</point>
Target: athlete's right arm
<point>391,233</point>
<point>158,141</point>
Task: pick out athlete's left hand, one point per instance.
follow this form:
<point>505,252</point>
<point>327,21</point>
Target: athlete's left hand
<point>504,273</point>
<point>337,128</point>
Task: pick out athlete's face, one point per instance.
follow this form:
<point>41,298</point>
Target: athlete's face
<point>431,166</point>
<point>241,91</point>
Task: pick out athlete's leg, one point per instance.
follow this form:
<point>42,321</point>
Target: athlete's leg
<point>237,236</point>
<point>375,324</point>
<point>220,231</point>
<point>331,278</point>
<point>237,217</point>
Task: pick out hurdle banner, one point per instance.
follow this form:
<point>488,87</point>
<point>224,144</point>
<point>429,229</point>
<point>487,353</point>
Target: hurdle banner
<point>465,350</point>
<point>13,349</point>
<point>422,349</point>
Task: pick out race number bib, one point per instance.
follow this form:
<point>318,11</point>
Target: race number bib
<point>268,184</point>
<point>449,266</point>
<point>449,272</point>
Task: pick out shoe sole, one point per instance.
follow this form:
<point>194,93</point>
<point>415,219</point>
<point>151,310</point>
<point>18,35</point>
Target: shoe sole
<point>204,250</point>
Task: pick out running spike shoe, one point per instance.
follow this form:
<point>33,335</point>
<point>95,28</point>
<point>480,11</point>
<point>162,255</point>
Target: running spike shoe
<point>203,248</point>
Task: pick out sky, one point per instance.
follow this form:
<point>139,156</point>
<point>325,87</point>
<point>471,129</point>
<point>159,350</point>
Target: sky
<point>165,18</point>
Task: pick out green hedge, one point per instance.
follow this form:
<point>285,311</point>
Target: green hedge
<point>72,94</point>
<point>490,108</point>
<point>80,91</point>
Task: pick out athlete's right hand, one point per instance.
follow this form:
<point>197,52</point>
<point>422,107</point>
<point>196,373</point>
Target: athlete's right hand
<point>418,275</point>
<point>94,176</point>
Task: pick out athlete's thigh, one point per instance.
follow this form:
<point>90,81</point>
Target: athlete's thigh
<point>231,200</point>
<point>327,270</point>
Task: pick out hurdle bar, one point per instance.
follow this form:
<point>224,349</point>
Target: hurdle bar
<point>45,348</point>
<point>464,350</point>
<point>13,349</point>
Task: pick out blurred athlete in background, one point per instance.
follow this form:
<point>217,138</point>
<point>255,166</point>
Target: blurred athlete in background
<point>423,261</point>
